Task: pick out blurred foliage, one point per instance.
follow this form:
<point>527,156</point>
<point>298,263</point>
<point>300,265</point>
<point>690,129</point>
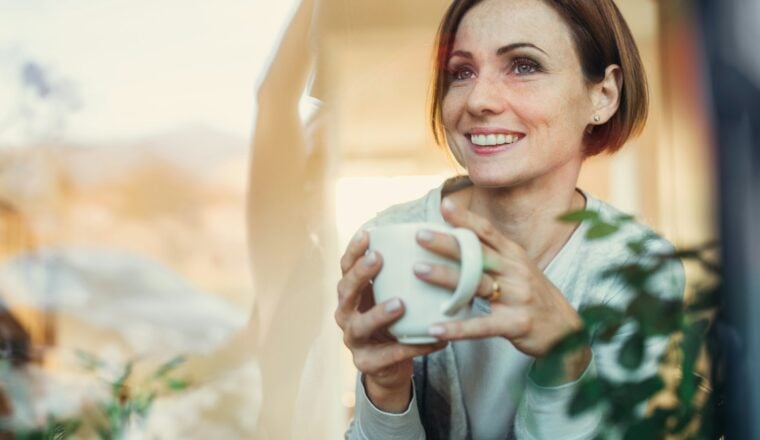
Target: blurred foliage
<point>690,407</point>
<point>128,403</point>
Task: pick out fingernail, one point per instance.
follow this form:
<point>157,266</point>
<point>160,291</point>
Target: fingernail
<point>448,205</point>
<point>424,235</point>
<point>370,259</point>
<point>423,268</point>
<point>392,305</point>
<point>358,236</point>
<point>436,330</point>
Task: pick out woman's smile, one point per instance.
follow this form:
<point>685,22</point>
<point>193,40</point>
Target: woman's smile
<point>488,141</point>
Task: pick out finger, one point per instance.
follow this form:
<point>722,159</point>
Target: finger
<point>508,324</point>
<point>355,249</point>
<point>448,277</point>
<point>374,359</point>
<point>463,218</point>
<point>379,317</point>
<point>356,279</point>
<point>437,274</point>
<point>487,286</point>
<point>448,247</point>
<point>442,244</point>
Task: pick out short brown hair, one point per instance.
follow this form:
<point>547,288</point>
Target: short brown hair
<point>601,38</point>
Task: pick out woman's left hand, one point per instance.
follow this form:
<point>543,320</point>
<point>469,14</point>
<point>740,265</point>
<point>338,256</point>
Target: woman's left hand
<point>531,312</point>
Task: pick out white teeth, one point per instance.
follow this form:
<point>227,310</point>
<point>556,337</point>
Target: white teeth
<point>493,139</point>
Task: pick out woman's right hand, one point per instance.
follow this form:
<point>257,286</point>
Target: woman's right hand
<point>385,364</point>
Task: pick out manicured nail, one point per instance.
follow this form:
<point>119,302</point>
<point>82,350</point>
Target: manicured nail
<point>425,235</point>
<point>392,305</point>
<point>423,268</point>
<point>370,259</point>
<point>436,330</point>
<point>448,205</point>
<point>358,236</point>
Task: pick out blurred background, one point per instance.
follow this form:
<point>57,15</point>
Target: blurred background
<point>180,178</point>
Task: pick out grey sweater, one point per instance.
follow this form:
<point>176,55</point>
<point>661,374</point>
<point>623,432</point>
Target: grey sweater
<point>480,389</point>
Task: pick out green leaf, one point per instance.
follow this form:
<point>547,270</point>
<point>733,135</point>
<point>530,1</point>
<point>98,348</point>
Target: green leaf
<point>142,403</point>
<point>644,429</point>
<point>600,314</point>
<point>590,393</point>
<point>637,392</point>
<point>656,316</point>
<point>88,361</point>
<point>176,384</point>
<point>683,419</point>
<point>118,384</point>
<point>579,216</point>
<point>624,218</point>
<point>608,333</point>
<point>167,367</point>
<point>691,344</point>
<point>632,352</point>
<point>625,398</point>
<point>65,428</point>
<point>600,230</point>
<point>637,247</point>
<point>548,369</point>
<point>602,321</point>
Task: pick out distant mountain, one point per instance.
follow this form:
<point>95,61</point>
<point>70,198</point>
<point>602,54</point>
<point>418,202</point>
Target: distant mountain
<point>198,149</point>
<point>195,145</point>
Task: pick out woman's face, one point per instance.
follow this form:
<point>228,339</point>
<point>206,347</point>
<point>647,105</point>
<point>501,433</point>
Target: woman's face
<point>517,105</point>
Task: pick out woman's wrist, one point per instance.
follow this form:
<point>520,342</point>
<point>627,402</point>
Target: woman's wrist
<point>394,399</point>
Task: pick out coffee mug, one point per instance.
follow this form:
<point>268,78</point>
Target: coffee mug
<point>424,304</point>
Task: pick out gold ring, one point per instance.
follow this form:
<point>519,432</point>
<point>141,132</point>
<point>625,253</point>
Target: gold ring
<point>495,291</point>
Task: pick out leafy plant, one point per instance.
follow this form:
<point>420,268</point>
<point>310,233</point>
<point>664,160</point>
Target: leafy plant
<point>689,411</point>
<point>129,403</point>
<point>129,400</point>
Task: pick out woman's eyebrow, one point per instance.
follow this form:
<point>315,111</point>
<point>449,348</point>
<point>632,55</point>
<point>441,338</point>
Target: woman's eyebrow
<point>510,47</point>
<point>460,53</point>
<point>500,51</point>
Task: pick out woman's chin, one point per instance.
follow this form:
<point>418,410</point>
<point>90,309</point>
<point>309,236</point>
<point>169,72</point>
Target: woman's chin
<point>489,175</point>
<point>491,180</point>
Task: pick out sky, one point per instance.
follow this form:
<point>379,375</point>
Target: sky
<point>140,67</point>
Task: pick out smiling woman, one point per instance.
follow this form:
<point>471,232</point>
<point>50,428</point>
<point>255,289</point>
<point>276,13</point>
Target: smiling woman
<point>522,94</point>
<point>594,45</point>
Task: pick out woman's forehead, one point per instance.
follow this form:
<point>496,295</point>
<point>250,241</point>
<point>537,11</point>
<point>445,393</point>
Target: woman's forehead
<point>494,23</point>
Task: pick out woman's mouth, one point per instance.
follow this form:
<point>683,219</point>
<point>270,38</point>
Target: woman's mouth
<point>483,144</point>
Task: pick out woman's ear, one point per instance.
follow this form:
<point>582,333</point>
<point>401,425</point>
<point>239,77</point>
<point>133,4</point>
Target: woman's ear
<point>605,95</point>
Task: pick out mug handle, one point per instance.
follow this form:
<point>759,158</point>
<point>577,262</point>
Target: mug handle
<point>471,269</point>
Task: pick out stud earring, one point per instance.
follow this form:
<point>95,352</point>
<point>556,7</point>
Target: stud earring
<point>597,118</point>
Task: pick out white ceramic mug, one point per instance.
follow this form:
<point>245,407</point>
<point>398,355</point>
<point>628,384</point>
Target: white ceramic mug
<point>424,303</point>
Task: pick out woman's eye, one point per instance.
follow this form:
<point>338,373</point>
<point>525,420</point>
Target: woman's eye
<point>525,67</point>
<point>462,74</point>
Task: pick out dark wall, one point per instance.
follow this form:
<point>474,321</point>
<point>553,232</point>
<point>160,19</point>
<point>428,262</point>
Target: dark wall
<point>734,85</point>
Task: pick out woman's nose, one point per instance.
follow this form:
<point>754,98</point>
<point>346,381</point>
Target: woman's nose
<point>486,97</point>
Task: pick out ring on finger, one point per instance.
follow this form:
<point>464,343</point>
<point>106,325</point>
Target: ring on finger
<point>495,291</point>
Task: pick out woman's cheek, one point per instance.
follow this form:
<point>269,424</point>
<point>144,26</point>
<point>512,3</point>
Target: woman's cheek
<point>455,148</point>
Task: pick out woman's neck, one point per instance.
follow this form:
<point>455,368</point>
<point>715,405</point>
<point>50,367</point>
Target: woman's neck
<point>527,215</point>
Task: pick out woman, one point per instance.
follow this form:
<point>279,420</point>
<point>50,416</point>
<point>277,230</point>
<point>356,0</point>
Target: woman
<point>523,92</point>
